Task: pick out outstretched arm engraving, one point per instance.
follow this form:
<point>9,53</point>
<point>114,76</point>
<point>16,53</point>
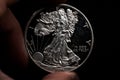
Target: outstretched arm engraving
<point>62,23</point>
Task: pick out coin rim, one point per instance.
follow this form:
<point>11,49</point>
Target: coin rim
<point>91,30</point>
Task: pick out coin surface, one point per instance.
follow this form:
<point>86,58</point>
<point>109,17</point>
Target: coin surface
<point>59,38</point>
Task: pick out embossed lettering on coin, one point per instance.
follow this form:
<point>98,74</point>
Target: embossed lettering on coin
<point>59,38</point>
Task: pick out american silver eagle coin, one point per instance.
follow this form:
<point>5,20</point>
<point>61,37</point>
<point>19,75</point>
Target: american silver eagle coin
<point>59,38</point>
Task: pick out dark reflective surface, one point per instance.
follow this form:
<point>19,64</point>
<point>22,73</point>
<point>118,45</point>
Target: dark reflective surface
<point>61,36</point>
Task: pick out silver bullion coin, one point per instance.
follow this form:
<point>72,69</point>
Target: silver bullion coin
<point>59,38</point>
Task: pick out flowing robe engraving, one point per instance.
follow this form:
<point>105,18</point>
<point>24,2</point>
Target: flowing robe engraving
<point>61,23</point>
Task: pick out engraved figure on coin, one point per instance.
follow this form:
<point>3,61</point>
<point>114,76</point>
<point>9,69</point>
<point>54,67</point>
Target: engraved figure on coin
<point>62,24</point>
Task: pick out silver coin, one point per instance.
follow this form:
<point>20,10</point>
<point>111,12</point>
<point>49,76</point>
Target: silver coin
<point>59,38</point>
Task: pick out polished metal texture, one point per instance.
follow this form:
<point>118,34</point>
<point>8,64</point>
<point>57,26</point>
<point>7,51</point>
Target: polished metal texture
<point>59,38</point>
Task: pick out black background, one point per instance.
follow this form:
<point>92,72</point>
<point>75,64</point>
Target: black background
<point>102,16</point>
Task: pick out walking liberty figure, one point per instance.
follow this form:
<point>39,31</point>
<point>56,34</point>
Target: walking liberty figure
<point>62,24</point>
